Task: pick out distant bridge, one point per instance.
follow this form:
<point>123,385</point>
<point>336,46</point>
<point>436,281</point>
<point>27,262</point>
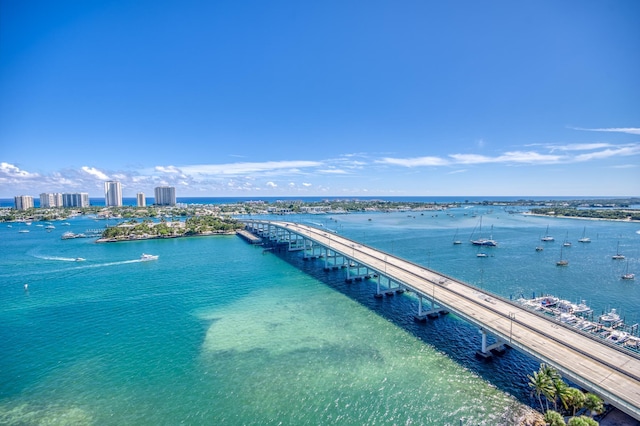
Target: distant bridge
<point>593,363</point>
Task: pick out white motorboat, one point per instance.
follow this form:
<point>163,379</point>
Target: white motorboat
<point>146,257</point>
<point>610,319</point>
<point>80,259</point>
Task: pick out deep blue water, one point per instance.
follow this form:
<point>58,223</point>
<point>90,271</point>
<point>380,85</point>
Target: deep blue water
<point>216,332</point>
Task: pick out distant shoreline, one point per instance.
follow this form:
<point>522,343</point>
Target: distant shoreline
<point>580,217</point>
<point>159,237</point>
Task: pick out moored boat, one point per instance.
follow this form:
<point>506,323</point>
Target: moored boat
<point>584,238</point>
<point>628,275</point>
<point>618,255</point>
<point>547,238</point>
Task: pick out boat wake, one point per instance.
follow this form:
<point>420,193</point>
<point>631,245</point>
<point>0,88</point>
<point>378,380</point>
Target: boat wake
<point>58,258</point>
<point>76,268</point>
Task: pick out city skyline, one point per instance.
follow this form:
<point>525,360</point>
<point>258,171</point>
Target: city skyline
<point>488,98</point>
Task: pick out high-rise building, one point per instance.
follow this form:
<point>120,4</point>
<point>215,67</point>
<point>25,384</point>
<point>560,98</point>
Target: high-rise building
<point>165,196</point>
<point>23,202</point>
<point>112,194</point>
<point>50,200</point>
<point>140,200</point>
<point>75,200</point>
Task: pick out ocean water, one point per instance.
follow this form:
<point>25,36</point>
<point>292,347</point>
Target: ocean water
<point>216,332</point>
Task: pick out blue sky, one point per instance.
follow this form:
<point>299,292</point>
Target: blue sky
<point>337,98</point>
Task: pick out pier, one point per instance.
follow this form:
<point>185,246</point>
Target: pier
<point>596,365</point>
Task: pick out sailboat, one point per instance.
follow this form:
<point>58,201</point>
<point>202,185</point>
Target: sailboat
<point>618,256</point>
<point>584,239</point>
<point>628,275</point>
<point>567,243</point>
<point>456,241</point>
<point>562,262</point>
<point>484,241</point>
<point>547,237</point>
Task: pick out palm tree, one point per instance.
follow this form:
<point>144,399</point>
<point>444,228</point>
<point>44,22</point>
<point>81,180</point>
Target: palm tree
<point>582,421</point>
<point>553,418</point>
<point>576,399</point>
<point>593,403</point>
<point>558,384</point>
<point>541,384</point>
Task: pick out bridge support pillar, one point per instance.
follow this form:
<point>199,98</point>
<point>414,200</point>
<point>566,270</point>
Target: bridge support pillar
<point>377,294</point>
<point>483,354</point>
<point>487,351</point>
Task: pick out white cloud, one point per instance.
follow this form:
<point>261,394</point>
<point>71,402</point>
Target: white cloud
<point>306,184</point>
<point>580,146</point>
<point>623,151</point>
<point>168,169</point>
<point>95,173</point>
<point>234,169</point>
<point>333,171</point>
<point>415,162</point>
<point>630,130</point>
<point>457,171</point>
<point>8,170</point>
<point>272,185</point>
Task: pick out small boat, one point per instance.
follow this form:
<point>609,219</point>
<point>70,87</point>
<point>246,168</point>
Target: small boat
<point>49,227</point>
<point>628,275</point>
<point>484,241</point>
<point>456,241</point>
<point>618,336</point>
<point>618,256</point>
<point>584,238</point>
<point>562,262</point>
<point>23,231</point>
<point>547,238</point>
<point>80,259</point>
<point>610,319</point>
<point>146,257</point>
<point>481,254</point>
<point>567,243</point>
<point>539,248</point>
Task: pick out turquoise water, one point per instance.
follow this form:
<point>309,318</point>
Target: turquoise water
<point>215,332</point>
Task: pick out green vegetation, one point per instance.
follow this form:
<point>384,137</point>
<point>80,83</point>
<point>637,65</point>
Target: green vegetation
<point>197,225</point>
<point>611,214</point>
<point>547,383</point>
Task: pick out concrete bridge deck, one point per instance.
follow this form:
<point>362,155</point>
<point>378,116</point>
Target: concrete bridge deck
<point>591,362</point>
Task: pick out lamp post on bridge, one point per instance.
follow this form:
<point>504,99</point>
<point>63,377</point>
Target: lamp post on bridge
<point>512,316</point>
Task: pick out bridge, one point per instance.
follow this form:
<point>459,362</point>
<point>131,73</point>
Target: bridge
<point>593,363</point>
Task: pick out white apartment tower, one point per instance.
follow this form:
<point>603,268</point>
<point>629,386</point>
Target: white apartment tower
<point>23,202</point>
<point>80,199</point>
<point>140,200</point>
<point>112,194</point>
<point>165,196</point>
<point>50,200</point>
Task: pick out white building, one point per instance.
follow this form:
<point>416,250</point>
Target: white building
<point>50,200</point>
<point>80,199</point>
<point>112,194</point>
<point>165,196</point>
<point>140,200</point>
<point>23,202</point>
